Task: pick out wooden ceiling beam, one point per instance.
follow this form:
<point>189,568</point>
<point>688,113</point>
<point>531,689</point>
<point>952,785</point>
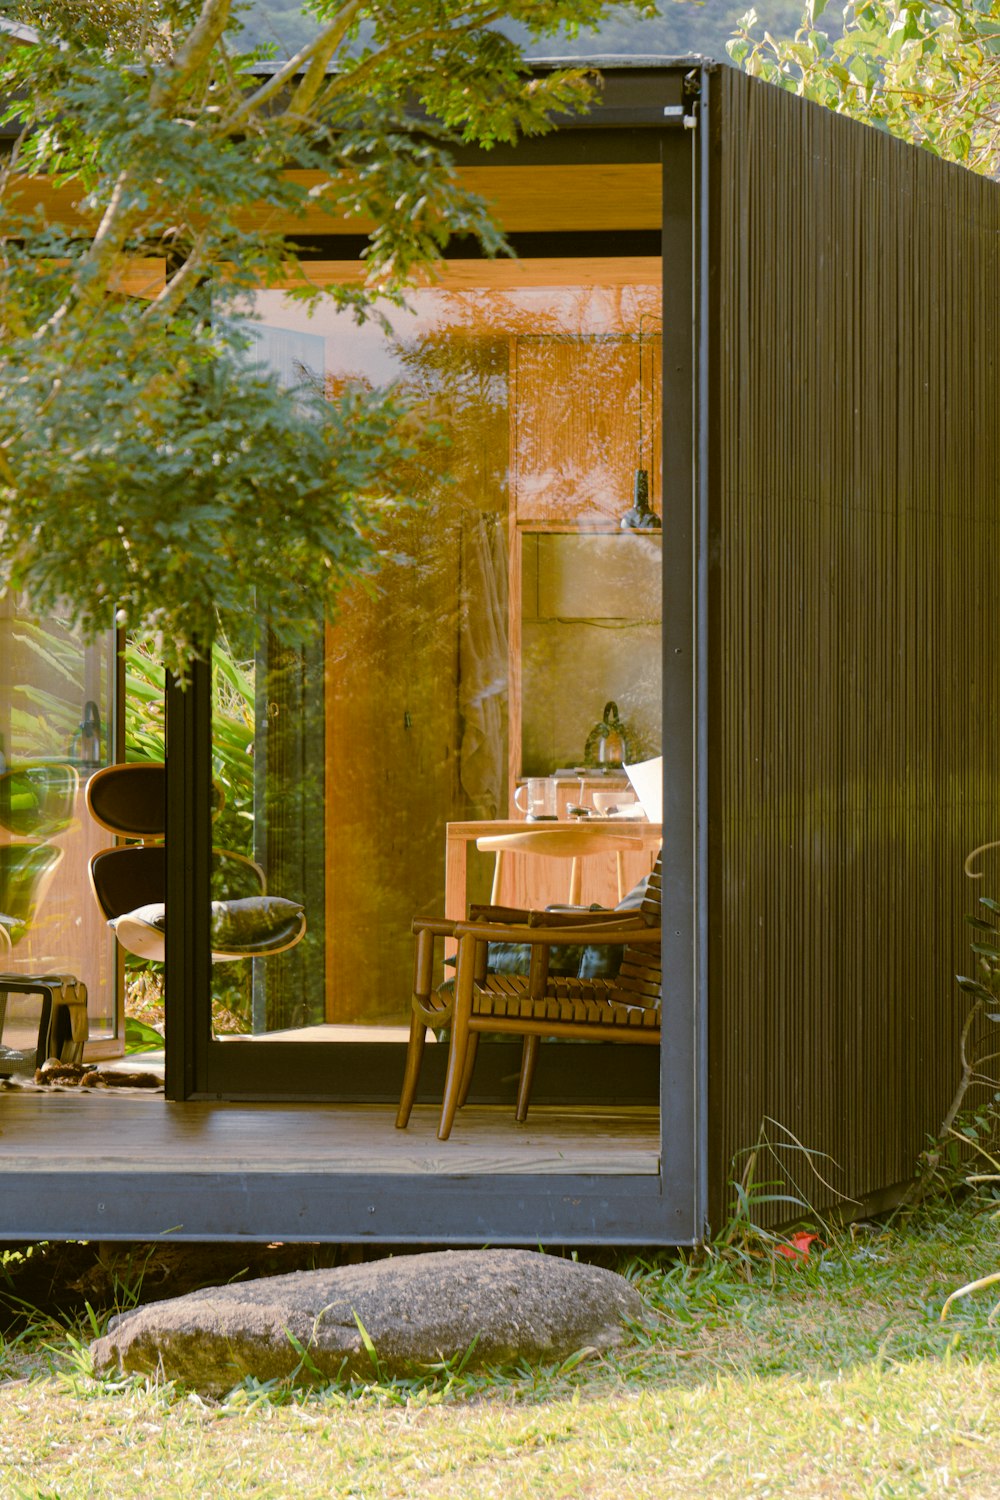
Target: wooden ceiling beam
<point>497,275</point>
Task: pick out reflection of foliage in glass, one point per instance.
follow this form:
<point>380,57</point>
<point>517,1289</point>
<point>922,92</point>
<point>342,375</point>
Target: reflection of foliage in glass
<point>461,382</point>
<point>232,771</point>
<point>145,685</point>
<point>232,730</point>
<point>47,701</point>
<point>560,385</point>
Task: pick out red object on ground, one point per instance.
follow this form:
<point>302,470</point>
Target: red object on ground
<point>798,1246</point>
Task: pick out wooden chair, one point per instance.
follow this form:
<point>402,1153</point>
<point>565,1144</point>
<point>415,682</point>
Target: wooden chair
<point>129,880</point>
<point>624,1008</point>
<point>573,842</point>
<point>431,1007</point>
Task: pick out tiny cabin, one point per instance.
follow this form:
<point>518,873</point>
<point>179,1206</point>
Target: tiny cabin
<point>770,331</point>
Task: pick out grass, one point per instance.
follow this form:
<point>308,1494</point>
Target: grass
<point>758,1376</point>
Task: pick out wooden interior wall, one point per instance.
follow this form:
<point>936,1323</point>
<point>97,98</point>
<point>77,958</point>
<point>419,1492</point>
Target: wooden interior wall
<point>590,634</point>
<point>397,683</point>
<point>585,625</point>
<point>855,670</point>
<point>393,774</point>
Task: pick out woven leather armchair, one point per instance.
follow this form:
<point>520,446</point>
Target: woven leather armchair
<point>622,1008</point>
<point>431,1007</point>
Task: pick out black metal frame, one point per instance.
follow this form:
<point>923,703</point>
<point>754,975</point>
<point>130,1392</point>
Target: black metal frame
<point>686,371</point>
<point>188,950</point>
<point>312,1206</point>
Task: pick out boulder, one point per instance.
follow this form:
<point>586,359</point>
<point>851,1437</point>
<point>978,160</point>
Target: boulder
<point>415,1309</point>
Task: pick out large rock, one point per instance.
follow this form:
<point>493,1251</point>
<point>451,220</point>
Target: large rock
<point>415,1309</point>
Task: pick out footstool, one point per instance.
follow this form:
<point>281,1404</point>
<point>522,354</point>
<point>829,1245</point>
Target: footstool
<point>62,1025</point>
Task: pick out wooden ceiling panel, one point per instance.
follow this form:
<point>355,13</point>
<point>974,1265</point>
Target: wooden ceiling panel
<point>617,195</point>
<point>542,199</point>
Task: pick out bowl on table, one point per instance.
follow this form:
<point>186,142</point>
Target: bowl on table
<point>608,804</point>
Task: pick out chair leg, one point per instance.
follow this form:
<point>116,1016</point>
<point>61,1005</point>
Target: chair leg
<point>459,1041</point>
<point>423,971</point>
<point>470,1068</point>
<point>529,1056</point>
<point>497,879</point>
<point>411,1076</point>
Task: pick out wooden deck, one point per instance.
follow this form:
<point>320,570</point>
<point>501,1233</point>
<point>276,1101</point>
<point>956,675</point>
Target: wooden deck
<point>116,1133</point>
<point>134,1166</point>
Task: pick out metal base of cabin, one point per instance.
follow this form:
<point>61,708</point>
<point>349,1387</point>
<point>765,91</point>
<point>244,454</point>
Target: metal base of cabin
<point>140,1168</point>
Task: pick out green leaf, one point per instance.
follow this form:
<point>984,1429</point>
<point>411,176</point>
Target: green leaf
<point>369,1344</point>
<point>141,1038</point>
<point>973,987</point>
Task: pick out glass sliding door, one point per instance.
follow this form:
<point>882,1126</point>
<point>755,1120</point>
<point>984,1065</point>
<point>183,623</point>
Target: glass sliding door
<point>267,804</point>
<point>509,608</point>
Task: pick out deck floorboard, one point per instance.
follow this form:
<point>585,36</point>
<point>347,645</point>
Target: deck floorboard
<point>102,1133</point>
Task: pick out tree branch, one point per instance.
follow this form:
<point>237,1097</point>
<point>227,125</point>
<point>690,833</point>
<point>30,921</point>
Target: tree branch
<point>327,42</point>
<point>405,43</point>
<point>100,260</point>
<point>166,303</point>
<point>305,94</point>
<point>196,51</point>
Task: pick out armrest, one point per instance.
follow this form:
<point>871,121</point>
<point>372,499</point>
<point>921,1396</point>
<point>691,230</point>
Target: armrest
<point>439,926</point>
<point>505,924</point>
<point>579,916</point>
<point>593,911</point>
<point>445,926</point>
<point>511,915</point>
<point>625,930</point>
<point>551,916</point>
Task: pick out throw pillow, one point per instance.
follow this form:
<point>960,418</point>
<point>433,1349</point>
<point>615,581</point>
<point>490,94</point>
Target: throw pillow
<point>251,920</point>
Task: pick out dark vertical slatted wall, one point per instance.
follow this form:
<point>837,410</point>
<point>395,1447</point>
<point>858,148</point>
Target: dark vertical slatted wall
<point>855,629</point>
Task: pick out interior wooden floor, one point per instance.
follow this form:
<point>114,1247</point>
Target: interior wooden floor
<point>108,1132</point>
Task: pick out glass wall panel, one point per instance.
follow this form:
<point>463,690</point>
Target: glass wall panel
<point>511,632</point>
<point>55,732</point>
<point>267,832</point>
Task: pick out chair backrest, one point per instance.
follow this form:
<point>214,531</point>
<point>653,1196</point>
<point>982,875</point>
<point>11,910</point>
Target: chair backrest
<point>572,841</point>
<point>235,876</point>
<point>133,875</point>
<point>640,978</point>
<point>130,800</point>
<point>128,876</point>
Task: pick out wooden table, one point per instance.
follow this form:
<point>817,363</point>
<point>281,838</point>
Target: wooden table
<point>538,881</point>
